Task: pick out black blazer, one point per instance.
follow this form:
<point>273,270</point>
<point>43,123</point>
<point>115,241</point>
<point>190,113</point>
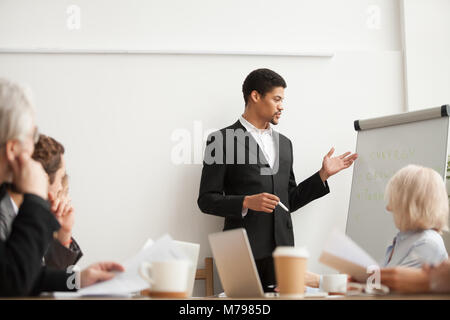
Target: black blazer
<point>224,185</point>
<point>21,272</point>
<point>57,256</point>
<point>60,257</point>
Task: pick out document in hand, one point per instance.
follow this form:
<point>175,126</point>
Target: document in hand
<point>343,254</point>
<point>129,281</point>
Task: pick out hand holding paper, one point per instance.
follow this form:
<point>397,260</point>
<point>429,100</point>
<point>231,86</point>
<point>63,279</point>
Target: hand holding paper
<point>130,281</point>
<point>343,254</point>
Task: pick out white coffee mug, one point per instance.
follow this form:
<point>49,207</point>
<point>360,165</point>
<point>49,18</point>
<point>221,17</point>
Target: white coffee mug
<point>166,278</point>
<point>334,283</point>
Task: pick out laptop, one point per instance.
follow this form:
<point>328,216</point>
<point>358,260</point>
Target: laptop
<point>235,264</point>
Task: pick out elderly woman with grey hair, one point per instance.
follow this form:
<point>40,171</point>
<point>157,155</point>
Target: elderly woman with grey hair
<point>418,200</point>
<point>21,272</point>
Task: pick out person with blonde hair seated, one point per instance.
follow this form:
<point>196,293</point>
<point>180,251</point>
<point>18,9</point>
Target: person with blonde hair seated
<point>418,200</point>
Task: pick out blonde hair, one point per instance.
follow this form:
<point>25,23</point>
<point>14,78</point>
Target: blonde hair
<point>16,111</point>
<point>418,199</point>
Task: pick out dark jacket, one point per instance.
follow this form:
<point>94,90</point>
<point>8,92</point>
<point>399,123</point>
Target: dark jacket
<point>224,185</point>
<point>21,270</point>
<point>56,256</point>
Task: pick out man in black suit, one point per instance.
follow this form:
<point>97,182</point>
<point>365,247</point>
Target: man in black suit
<point>248,172</point>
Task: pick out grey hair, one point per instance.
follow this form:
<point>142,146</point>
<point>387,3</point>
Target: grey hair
<point>16,111</point>
<point>418,198</point>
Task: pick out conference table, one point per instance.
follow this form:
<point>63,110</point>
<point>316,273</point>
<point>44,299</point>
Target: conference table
<point>392,296</point>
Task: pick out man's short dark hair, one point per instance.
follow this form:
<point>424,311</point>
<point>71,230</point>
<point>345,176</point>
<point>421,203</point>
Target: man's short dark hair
<point>263,81</point>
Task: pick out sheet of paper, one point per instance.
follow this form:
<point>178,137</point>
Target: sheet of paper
<point>130,281</point>
<point>343,254</point>
<point>148,244</point>
<point>72,295</point>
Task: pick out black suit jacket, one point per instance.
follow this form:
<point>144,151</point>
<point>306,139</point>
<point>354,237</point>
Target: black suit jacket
<point>60,257</point>
<point>224,185</point>
<point>57,256</point>
<point>21,271</point>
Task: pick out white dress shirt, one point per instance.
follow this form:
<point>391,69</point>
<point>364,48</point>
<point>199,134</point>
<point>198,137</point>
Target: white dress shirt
<point>16,209</point>
<point>264,138</point>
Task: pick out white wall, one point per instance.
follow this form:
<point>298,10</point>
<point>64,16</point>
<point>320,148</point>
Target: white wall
<point>196,24</point>
<point>426,38</point>
<point>426,30</point>
<point>116,113</point>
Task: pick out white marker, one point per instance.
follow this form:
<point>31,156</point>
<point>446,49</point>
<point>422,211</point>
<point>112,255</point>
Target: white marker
<point>283,206</point>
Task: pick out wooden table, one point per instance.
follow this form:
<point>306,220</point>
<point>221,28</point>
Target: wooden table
<point>213,298</point>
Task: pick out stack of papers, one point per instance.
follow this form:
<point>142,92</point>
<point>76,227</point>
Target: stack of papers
<point>343,254</point>
<point>124,284</point>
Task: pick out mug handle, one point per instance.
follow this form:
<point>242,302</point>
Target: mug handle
<point>145,266</point>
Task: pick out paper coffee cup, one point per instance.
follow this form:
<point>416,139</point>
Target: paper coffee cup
<point>290,270</point>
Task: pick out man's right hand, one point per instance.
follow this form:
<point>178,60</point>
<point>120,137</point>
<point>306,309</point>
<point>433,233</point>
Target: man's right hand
<point>29,176</point>
<point>264,202</point>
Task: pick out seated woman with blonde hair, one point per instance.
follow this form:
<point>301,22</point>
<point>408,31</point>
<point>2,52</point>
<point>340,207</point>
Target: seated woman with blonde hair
<point>418,200</point>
